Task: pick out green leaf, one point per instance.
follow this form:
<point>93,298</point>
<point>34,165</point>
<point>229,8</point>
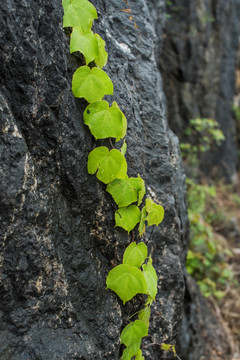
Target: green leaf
<point>122,192</point>
<point>78,13</point>
<point>104,121</point>
<point>109,165</point>
<point>168,347</point>
<point>155,213</point>
<point>151,279</point>
<point>127,191</point>
<point>139,185</point>
<point>135,255</point>
<point>144,315</point>
<point>124,148</point>
<point>131,351</point>
<point>91,45</point>
<point>91,84</point>
<point>124,121</point>
<point>126,281</point>
<point>133,332</point>
<point>102,56</point>
<point>142,226</point>
<point>127,217</point>
<point>139,355</point>
<point>85,42</point>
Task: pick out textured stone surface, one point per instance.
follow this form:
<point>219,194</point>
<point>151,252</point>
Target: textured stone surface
<point>58,240</point>
<point>202,335</point>
<point>197,62</point>
<point>237,102</point>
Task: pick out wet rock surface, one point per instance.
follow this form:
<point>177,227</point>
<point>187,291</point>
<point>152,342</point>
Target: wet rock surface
<point>58,240</point>
<point>197,59</point>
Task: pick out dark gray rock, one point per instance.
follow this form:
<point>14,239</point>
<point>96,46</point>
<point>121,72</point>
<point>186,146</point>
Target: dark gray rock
<point>197,59</point>
<point>58,240</point>
<point>202,335</point>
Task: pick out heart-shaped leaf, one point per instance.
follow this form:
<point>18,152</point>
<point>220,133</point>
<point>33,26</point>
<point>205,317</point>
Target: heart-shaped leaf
<point>104,121</point>
<point>135,255</point>
<point>85,42</point>
<point>151,279</point>
<point>78,13</point>
<point>109,165</point>
<point>91,84</point>
<point>127,191</point>
<point>126,281</point>
<point>155,213</point>
<point>122,192</point>
<point>133,332</point>
<point>127,217</point>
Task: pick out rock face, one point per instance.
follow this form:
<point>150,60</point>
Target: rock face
<point>237,102</point>
<point>197,58</point>
<point>58,240</point>
<point>202,335</point>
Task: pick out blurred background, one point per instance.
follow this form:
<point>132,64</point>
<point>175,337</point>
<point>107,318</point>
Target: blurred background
<point>199,59</point>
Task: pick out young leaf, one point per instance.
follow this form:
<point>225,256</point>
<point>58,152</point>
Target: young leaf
<point>127,191</point>
<point>104,121</point>
<point>78,13</point>
<point>142,226</point>
<point>85,42</point>
<point>91,84</point>
<point>124,148</point>
<point>144,315</point>
<point>131,351</point>
<point>151,279</point>
<point>135,255</point>
<point>126,281</point>
<point>109,165</point>
<point>133,332</point>
<point>102,56</point>
<point>127,217</point>
<point>168,347</point>
<point>155,213</point>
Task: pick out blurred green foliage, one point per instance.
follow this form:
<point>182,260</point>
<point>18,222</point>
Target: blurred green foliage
<point>207,256</point>
<point>201,134</point>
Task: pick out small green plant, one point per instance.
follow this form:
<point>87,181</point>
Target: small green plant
<point>206,18</point>
<point>236,199</point>
<point>136,275</point>
<point>236,110</point>
<point>202,134</point>
<point>206,259</point>
<point>169,348</point>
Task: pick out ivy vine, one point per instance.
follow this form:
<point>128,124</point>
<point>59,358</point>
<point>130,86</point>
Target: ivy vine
<point>136,274</point>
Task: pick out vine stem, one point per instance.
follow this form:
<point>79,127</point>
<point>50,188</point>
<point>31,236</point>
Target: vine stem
<point>129,11</point>
<point>110,140</point>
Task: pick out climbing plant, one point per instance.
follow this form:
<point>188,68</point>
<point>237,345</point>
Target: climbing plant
<point>136,274</point>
